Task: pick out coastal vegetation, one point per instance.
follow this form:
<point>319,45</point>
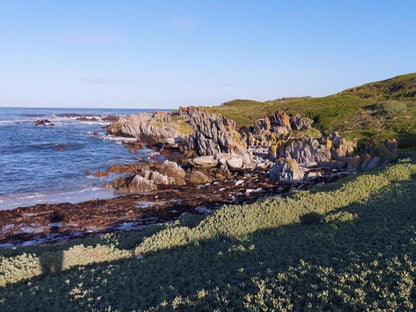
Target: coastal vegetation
<point>374,111</point>
<point>344,246</point>
<point>348,245</point>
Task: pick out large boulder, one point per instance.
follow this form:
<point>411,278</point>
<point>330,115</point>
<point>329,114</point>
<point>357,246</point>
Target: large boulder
<point>340,147</point>
<point>286,170</point>
<point>172,170</point>
<point>141,184</point>
<point>205,162</point>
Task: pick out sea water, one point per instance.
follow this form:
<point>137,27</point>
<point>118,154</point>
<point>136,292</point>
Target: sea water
<point>48,164</point>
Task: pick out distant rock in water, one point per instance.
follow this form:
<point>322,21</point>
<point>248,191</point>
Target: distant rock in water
<point>44,122</point>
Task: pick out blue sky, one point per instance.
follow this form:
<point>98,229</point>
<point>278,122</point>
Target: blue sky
<point>163,54</point>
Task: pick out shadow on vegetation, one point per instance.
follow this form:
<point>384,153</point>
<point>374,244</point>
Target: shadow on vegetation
<point>362,257</point>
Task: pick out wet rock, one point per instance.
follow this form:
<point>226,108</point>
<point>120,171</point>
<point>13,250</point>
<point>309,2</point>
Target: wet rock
<point>85,118</point>
<point>43,122</point>
<point>112,118</point>
<point>286,170</point>
<point>101,173</point>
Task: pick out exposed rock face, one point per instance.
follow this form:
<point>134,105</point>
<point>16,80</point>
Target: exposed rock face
<point>286,170</point>
<point>155,128</point>
<point>191,129</point>
<point>277,126</point>
<point>306,151</point>
<point>339,146</point>
<point>299,123</point>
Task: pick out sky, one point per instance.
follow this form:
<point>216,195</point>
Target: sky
<point>166,54</point>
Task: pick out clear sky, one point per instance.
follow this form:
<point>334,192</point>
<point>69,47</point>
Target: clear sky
<point>163,54</point>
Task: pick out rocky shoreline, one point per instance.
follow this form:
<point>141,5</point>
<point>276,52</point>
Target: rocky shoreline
<point>207,163</point>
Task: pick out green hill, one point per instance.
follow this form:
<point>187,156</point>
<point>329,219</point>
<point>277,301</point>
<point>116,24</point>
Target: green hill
<point>347,246</point>
<point>376,110</point>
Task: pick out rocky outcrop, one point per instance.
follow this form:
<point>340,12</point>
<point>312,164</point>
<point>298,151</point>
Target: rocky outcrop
<point>305,151</point>
<point>299,123</point>
<point>154,128</point>
<point>193,130</point>
<point>286,170</point>
<point>340,147</point>
<point>277,126</point>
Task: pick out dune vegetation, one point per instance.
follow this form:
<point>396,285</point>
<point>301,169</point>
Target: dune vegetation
<point>345,246</point>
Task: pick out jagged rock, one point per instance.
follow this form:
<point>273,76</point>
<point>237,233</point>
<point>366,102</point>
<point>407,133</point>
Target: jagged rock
<point>191,129</point>
<point>339,146</point>
<point>385,149</point>
<point>299,123</point>
<point>198,177</point>
<point>155,128</point>
<point>205,162</point>
<point>286,170</point>
<point>306,151</point>
<point>141,184</point>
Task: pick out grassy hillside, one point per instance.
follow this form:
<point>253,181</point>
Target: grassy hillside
<point>347,246</point>
<point>377,110</point>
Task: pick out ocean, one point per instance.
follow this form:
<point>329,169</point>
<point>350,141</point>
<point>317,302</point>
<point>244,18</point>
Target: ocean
<point>48,163</point>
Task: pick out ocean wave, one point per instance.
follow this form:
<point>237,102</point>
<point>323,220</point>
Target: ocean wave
<point>119,140</point>
<point>13,201</point>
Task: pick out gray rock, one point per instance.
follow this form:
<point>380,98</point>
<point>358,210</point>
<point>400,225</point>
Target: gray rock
<point>172,170</point>
<point>374,162</point>
<point>299,123</point>
<point>286,170</point>
<point>235,162</point>
<point>141,184</point>
<point>304,150</point>
<point>198,177</point>
<point>205,162</point>
<point>203,210</point>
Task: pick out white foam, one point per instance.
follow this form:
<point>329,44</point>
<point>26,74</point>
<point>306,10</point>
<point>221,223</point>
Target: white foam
<point>30,199</point>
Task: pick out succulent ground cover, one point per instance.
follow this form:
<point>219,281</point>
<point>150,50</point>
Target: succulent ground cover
<point>344,246</point>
